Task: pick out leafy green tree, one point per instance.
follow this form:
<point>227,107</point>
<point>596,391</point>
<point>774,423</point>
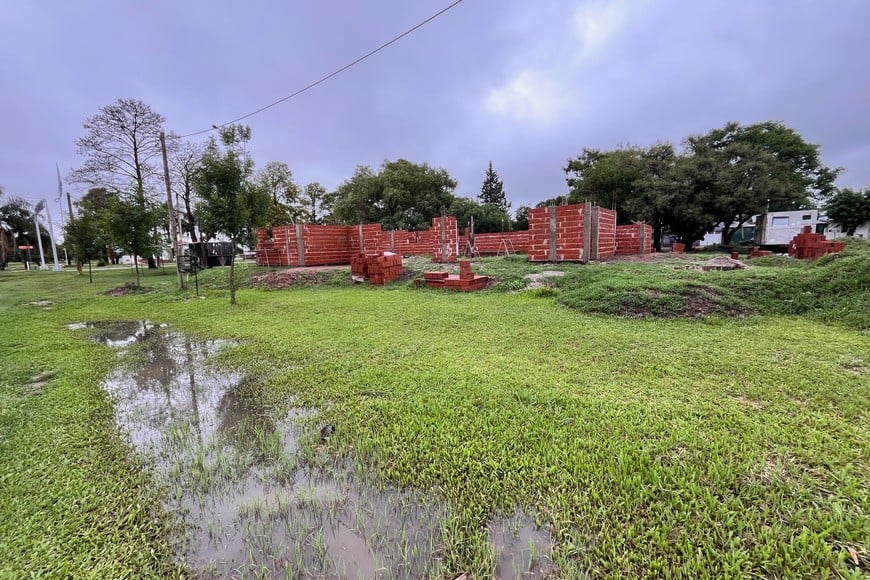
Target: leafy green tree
<point>231,203</point>
<point>97,203</point>
<point>403,195</point>
<point>660,196</point>
<point>521,221</point>
<point>606,178</point>
<point>276,178</point>
<point>802,169</point>
<point>849,209</point>
<point>358,198</point>
<point>492,191</point>
<point>82,239</point>
<point>314,202</point>
<point>746,175</point>
<point>487,217</point>
<point>132,221</point>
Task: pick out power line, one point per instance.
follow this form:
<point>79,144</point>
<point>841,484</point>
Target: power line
<point>330,75</point>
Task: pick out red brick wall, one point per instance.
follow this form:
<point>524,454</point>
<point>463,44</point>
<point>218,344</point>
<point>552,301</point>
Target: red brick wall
<point>569,233</point>
<point>606,233</point>
<point>628,239</point>
<point>338,244</point>
<point>491,244</point>
<point>450,242</point>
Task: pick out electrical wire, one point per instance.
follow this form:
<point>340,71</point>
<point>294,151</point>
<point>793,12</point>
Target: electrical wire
<point>330,75</point>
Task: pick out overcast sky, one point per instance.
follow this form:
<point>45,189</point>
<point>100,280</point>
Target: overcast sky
<point>524,84</point>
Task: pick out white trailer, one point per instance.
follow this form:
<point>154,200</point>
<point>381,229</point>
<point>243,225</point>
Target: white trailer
<point>777,228</point>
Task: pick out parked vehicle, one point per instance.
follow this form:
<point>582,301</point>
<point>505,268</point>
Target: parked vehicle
<point>777,228</point>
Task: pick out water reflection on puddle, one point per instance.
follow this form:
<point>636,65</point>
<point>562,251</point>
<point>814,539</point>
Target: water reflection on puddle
<point>249,503</point>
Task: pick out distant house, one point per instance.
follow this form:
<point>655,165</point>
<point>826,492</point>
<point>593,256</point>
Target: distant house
<point>834,231</point>
<point>777,228</point>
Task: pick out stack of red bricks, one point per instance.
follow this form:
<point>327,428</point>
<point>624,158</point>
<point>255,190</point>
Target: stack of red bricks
<point>378,268</point>
<point>465,282</point>
<point>757,252</point>
<point>809,246</point>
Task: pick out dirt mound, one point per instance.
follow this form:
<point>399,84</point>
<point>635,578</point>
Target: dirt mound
<point>313,276</point>
<point>126,288</point>
<point>723,263</point>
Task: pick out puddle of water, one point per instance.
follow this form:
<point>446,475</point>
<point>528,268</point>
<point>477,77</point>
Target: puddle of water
<point>522,548</point>
<point>237,472</point>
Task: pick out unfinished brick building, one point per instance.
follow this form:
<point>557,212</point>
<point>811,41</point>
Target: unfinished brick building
<point>577,233</point>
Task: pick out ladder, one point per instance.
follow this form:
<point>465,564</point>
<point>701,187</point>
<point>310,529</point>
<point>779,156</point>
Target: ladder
<point>506,246</point>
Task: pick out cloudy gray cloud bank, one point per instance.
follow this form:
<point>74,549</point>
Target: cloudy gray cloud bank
<point>523,84</point>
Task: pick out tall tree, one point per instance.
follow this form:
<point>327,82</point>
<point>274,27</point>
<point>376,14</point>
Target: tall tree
<point>132,221</point>
<point>82,239</point>
<point>98,203</point>
<point>286,207</point>
<point>521,220</point>
<point>231,203</point>
<point>606,178</point>
<point>277,179</point>
<point>487,217</point>
<point>849,209</point>
<point>403,195</point>
<point>801,170</point>
<point>751,170</point>
<point>185,159</point>
<point>357,200</point>
<point>492,190</point>
<point>314,199</point>
<point>121,147</point>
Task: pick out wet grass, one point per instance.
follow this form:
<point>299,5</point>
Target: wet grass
<point>714,447</point>
<point>834,289</point>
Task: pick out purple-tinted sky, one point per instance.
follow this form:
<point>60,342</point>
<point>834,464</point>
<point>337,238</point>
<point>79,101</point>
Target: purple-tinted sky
<point>523,84</point>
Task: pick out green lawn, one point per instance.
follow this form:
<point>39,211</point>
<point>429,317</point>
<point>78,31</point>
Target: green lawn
<point>659,446</point>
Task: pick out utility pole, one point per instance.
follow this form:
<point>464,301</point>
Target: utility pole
<point>173,230</point>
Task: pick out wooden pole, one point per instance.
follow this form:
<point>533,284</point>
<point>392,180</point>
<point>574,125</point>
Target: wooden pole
<point>173,230</point>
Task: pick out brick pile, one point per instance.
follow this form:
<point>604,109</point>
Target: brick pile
<point>757,252</point>
<point>465,282</point>
<point>809,246</point>
<point>377,268</point>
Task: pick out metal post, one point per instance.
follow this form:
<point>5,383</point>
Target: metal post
<point>57,266</point>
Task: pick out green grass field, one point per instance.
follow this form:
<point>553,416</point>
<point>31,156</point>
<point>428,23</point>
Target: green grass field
<point>658,443</point>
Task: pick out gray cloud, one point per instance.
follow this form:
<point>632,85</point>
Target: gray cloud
<point>526,85</point>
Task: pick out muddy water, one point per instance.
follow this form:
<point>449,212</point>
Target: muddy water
<point>521,547</point>
<point>250,483</point>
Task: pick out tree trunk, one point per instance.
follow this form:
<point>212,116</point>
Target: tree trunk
<point>136,266</point>
<point>233,275</point>
<point>90,273</point>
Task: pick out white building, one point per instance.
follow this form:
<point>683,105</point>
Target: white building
<point>835,231</point>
